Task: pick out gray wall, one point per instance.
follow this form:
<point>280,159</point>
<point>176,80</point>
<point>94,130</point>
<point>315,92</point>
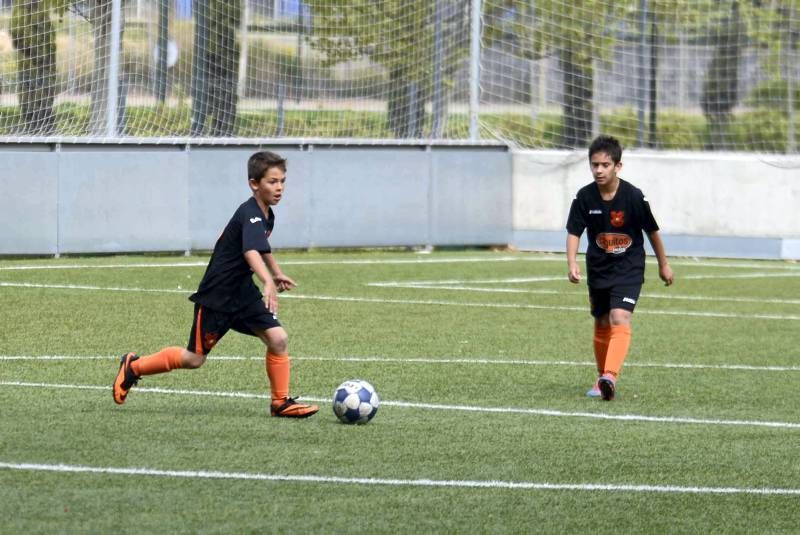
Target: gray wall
<point>63,199</point>
<point>707,204</point>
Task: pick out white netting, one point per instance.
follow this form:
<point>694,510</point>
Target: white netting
<point>681,74</point>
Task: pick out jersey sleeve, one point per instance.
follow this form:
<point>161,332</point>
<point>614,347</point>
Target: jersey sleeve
<point>648,220</point>
<point>254,236</point>
<point>576,222</point>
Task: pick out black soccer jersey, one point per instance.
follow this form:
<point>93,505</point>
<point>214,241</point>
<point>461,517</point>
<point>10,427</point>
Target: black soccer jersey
<point>228,284</point>
<point>615,255</point>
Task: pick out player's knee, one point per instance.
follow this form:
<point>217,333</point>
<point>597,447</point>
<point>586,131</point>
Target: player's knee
<point>277,341</point>
<point>193,360</point>
<point>619,317</point>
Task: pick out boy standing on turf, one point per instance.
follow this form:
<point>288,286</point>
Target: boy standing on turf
<point>227,297</point>
<point>614,214</point>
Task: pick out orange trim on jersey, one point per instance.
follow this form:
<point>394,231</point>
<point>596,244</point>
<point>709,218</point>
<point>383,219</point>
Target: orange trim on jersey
<point>198,339</point>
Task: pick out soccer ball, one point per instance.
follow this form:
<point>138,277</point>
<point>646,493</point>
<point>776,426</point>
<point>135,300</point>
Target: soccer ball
<point>355,402</point>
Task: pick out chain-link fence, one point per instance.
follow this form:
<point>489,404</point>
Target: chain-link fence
<point>697,75</point>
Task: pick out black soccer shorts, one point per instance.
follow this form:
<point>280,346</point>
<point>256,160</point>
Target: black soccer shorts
<point>604,299</point>
<point>209,326</point>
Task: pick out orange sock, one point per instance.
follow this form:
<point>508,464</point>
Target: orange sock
<point>618,343</point>
<point>278,374</point>
<point>601,336</point>
<point>165,360</point>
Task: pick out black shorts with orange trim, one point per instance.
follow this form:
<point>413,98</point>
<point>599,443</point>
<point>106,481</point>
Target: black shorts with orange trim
<point>604,299</point>
<point>209,326</point>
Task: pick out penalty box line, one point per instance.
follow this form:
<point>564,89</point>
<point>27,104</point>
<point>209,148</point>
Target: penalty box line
<point>430,483</point>
<point>441,407</point>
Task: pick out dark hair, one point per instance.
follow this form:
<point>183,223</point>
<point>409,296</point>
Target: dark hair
<point>260,162</point>
<point>608,144</point>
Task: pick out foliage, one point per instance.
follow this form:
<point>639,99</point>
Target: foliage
<point>398,35</point>
<point>773,94</point>
<point>34,39</point>
<point>757,131</point>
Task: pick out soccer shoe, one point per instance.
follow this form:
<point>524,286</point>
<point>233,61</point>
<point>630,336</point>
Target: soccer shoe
<point>126,379</point>
<point>289,408</point>
<point>607,385</point>
<point>594,392</point>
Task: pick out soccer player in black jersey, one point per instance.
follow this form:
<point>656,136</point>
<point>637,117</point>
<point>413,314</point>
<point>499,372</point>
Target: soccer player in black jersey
<point>614,213</point>
<point>227,297</point>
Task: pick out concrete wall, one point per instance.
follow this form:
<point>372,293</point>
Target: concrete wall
<point>118,198</point>
<point>727,205</point>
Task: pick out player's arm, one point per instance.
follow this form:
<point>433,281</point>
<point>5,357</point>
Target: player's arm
<point>259,267</point>
<point>282,282</point>
<point>574,273</point>
<point>664,271</point>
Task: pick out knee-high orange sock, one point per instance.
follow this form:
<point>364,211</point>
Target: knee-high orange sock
<point>165,360</point>
<point>618,344</point>
<point>601,336</point>
<point>278,371</point>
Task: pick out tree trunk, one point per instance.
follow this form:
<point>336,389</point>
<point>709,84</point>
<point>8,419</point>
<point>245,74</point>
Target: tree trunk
<point>577,100</point>
<point>216,67</point>
<point>34,40</point>
<point>720,89</point>
<point>406,105</point>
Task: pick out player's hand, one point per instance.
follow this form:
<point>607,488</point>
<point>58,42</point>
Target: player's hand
<point>283,283</point>
<point>574,273</point>
<point>666,274</point>
<point>271,297</point>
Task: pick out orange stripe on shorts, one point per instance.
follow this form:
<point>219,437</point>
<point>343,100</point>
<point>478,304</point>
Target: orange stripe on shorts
<point>198,333</point>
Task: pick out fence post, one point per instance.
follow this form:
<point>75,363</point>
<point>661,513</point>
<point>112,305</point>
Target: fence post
<point>475,70</point>
<point>113,69</point>
<point>642,89</point>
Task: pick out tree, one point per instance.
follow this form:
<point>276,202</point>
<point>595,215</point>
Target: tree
<point>398,35</point>
<point>34,40</point>
<point>578,36</point>
<point>215,66</point>
<point>721,86</point>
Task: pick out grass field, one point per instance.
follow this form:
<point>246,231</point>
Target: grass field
<point>481,359</point>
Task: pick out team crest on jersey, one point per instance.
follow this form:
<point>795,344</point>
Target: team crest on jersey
<point>617,218</point>
<point>614,242</point>
<point>210,340</point>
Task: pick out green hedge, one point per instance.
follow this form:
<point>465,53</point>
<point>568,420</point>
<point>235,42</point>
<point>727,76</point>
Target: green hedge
<point>758,131</point>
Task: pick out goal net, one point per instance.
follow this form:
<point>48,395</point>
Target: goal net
<point>663,74</point>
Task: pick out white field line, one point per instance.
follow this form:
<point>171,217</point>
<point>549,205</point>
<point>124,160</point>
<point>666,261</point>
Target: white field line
<point>396,261</point>
<point>91,288</point>
<point>436,483</point>
<point>435,361</point>
<point>524,306</point>
<point>741,276</point>
<point>510,280</point>
<point>563,278</point>
<point>352,262</point>
<point>434,406</point>
<point>447,285</point>
<point>350,299</point>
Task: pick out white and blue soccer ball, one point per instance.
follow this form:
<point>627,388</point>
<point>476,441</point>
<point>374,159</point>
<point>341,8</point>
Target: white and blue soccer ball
<point>355,402</point>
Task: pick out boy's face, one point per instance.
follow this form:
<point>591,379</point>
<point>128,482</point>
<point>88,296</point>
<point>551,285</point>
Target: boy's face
<point>269,189</point>
<point>604,170</point>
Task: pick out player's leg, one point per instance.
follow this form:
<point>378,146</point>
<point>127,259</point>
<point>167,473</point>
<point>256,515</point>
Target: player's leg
<point>207,328</point>
<point>622,303</point>
<point>599,299</point>
<point>258,321</point>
